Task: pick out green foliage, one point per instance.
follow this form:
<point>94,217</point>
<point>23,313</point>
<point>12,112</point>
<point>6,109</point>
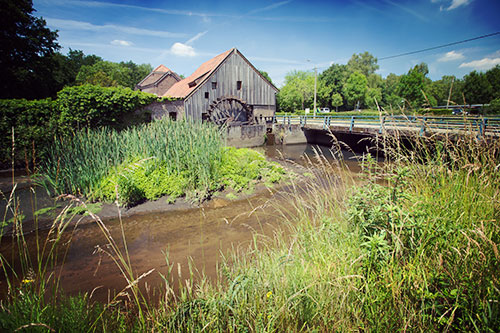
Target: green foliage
<point>36,122</point>
<point>266,75</point>
<point>477,88</point>
<point>34,127</point>
<point>355,88</point>
<point>373,96</point>
<point>241,168</point>
<point>90,106</point>
<point>411,87</point>
<point>494,107</point>
<point>337,100</point>
<point>162,158</point>
<point>364,63</point>
<point>110,74</point>
<point>26,49</point>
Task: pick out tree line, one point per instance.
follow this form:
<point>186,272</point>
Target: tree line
<point>355,85</point>
<point>32,67</point>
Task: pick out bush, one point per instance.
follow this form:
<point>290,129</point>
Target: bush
<point>34,127</point>
<point>90,106</point>
<point>36,122</point>
<point>494,107</point>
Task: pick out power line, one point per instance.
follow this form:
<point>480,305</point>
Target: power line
<point>440,46</point>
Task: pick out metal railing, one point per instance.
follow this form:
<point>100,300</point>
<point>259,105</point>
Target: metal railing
<point>482,125</point>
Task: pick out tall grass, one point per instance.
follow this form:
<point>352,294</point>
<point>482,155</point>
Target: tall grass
<point>78,164</point>
<point>419,253</point>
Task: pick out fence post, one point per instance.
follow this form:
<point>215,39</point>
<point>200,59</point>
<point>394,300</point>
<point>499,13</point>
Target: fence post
<point>352,124</point>
<point>422,129</point>
<point>382,122</point>
<point>482,127</point>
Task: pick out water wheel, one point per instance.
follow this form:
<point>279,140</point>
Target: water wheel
<point>230,111</point>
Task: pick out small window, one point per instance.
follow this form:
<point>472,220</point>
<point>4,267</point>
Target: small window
<point>238,85</point>
<point>206,95</point>
<point>214,85</point>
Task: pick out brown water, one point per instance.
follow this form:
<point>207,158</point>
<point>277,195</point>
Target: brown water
<point>200,235</point>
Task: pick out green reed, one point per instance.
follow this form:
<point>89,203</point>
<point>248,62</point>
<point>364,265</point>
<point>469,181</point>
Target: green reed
<point>78,164</point>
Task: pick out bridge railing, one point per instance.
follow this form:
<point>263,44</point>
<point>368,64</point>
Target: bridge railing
<point>479,124</point>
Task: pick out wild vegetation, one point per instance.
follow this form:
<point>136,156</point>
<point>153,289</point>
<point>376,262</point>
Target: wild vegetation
<point>28,127</point>
<point>165,157</point>
<point>417,251</point>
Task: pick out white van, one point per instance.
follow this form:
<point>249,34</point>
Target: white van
<point>324,110</point>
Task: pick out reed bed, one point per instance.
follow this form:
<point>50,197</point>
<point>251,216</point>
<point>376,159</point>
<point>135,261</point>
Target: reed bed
<point>78,164</point>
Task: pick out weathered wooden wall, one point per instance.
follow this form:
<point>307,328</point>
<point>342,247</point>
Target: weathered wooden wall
<point>162,87</point>
<point>254,89</point>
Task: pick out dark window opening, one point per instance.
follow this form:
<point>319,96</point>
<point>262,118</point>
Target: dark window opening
<point>206,95</point>
<point>214,85</point>
<point>238,85</point>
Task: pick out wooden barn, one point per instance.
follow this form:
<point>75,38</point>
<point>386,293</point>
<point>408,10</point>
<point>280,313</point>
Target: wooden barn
<point>158,81</point>
<point>226,89</point>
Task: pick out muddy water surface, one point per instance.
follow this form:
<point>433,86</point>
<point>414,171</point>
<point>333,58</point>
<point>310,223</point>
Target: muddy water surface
<point>199,235</point>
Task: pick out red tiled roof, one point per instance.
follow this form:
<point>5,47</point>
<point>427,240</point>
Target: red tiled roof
<point>161,68</point>
<point>184,87</point>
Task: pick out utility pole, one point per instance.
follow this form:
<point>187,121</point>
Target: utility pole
<point>449,95</point>
<point>315,77</point>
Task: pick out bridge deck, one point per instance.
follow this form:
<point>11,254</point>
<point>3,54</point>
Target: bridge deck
<point>481,126</point>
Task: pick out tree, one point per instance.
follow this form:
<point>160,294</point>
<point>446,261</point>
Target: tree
<point>373,96</point>
<point>337,101</point>
<point>266,75</point>
<point>411,87</point>
<point>298,89</point>
<point>493,77</point>
<point>111,74</point>
<point>26,50</point>
<point>477,89</point>
<point>390,97</point>
<point>365,63</point>
<point>355,88</point>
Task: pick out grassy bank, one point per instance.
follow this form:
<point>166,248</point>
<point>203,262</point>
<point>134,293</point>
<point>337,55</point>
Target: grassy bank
<point>145,162</point>
<point>417,254</point>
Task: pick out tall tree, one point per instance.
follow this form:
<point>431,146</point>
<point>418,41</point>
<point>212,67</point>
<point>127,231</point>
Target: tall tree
<point>27,47</point>
<point>365,63</point>
<point>411,87</point>
<point>355,88</point>
<point>477,88</point>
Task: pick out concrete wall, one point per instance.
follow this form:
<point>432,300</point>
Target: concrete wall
<point>246,136</point>
<point>288,134</point>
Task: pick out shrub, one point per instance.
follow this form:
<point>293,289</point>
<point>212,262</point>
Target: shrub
<point>34,127</point>
<point>89,106</point>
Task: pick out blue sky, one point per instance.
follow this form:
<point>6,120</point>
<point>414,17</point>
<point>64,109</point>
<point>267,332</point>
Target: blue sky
<point>280,36</point>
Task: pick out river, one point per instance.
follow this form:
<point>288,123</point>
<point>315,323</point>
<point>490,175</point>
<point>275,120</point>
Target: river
<point>198,235</point>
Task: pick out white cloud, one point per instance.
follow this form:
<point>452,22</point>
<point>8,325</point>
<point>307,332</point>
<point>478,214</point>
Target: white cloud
<point>483,64</point>
<point>79,25</point>
<point>121,42</point>
<point>451,56</point>
<point>457,3</point>
<point>182,50</point>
